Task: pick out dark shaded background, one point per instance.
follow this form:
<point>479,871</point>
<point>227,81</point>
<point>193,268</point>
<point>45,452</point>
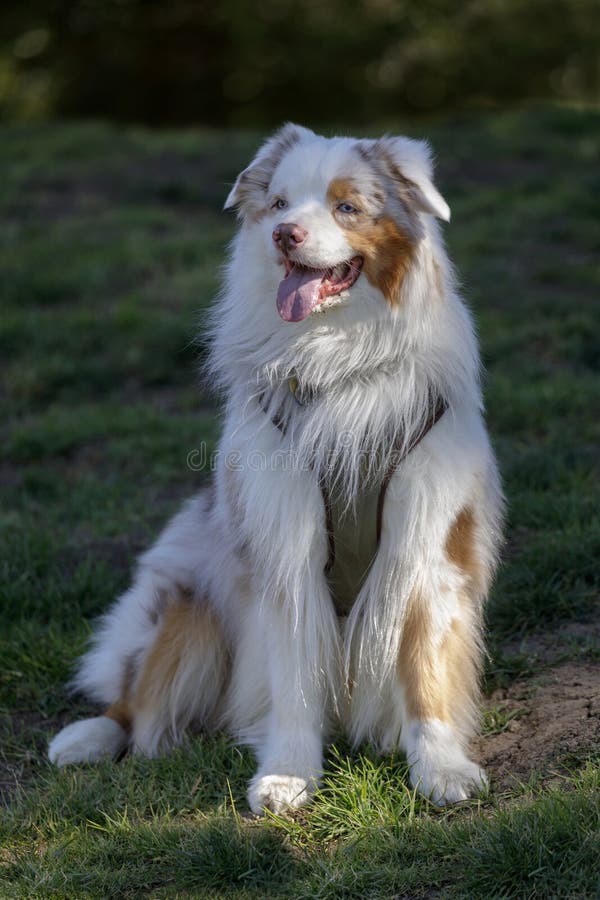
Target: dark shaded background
<point>231,63</point>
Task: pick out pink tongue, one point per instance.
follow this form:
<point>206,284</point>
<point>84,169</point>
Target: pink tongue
<point>298,294</point>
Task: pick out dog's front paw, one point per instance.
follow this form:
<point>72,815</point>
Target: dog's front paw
<point>439,768</point>
<point>449,783</point>
<point>279,793</point>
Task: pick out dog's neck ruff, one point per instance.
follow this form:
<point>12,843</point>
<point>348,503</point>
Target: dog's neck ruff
<point>345,577</point>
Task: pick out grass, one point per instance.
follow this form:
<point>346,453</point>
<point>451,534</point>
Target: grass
<point>110,251</point>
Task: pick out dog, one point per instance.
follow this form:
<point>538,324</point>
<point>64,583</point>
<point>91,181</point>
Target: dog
<point>332,576</point>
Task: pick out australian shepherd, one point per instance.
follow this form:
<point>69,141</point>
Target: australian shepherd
<point>332,576</point>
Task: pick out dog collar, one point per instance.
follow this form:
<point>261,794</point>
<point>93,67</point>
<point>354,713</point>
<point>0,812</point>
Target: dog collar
<point>302,396</point>
<point>294,386</point>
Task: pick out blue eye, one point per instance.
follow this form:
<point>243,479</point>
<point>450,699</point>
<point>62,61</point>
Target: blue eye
<point>279,204</point>
<point>347,208</point>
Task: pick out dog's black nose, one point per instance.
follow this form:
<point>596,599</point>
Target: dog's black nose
<point>287,236</point>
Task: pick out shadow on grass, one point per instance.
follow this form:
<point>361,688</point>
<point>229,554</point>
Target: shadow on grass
<point>123,858</point>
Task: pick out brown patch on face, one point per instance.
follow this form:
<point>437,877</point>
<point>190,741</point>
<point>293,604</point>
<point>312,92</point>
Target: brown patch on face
<point>344,189</point>
<point>461,548</point>
<point>120,712</point>
<point>387,250</point>
<point>441,680</point>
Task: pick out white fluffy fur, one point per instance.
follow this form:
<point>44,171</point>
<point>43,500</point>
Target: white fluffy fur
<point>258,550</point>
<point>87,741</point>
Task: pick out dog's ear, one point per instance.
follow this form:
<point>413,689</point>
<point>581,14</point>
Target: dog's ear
<point>408,163</point>
<point>248,192</point>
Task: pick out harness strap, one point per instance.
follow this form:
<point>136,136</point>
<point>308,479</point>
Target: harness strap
<point>328,527</point>
<point>435,414</point>
<point>399,454</point>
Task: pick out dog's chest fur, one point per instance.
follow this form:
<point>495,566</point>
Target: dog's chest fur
<point>352,525</point>
<point>353,522</point>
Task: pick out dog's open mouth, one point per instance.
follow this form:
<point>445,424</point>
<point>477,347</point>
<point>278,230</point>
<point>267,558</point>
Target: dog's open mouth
<point>303,289</point>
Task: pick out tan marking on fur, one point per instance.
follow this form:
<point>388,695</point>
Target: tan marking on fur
<point>187,627</point>
<point>418,668</point>
<point>461,655</point>
<point>120,712</point>
<point>461,547</point>
<point>130,670</point>
<point>441,682</point>
<point>341,189</point>
<point>387,250</point>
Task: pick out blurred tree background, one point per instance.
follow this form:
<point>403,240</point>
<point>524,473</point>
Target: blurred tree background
<point>231,63</point>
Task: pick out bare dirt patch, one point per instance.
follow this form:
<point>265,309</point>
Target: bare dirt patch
<point>556,723</point>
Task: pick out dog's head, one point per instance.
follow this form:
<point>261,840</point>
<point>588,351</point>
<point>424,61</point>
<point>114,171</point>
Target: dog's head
<point>333,212</point>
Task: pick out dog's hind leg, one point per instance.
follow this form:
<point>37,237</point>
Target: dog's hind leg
<point>158,659</point>
<point>178,681</point>
<point>181,678</point>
